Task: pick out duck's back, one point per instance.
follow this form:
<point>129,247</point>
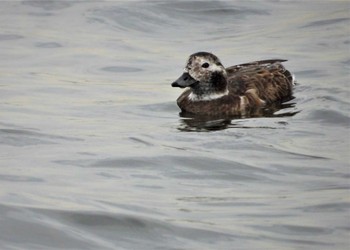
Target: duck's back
<point>267,78</point>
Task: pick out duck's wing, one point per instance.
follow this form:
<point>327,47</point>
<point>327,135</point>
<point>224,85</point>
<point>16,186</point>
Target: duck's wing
<point>252,65</point>
<point>267,78</point>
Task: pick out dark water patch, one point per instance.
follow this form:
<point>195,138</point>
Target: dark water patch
<point>346,62</point>
<point>49,5</point>
<point>20,137</point>
<point>220,201</point>
<point>300,155</point>
<point>151,187</point>
<point>121,69</point>
<point>333,98</point>
<point>41,14</point>
<point>125,162</point>
<point>264,214</point>
<point>221,12</point>
<point>298,243</point>
<point>209,8</point>
<point>48,45</point>
<point>325,22</point>
<point>310,73</point>
<point>88,219</point>
<point>335,207</point>
<point>108,175</point>
<point>5,37</point>
<point>196,6</point>
<point>295,230</point>
<point>74,163</point>
<point>140,141</point>
<point>329,117</point>
<point>16,178</point>
<point>339,187</point>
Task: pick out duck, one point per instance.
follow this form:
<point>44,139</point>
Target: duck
<point>213,90</point>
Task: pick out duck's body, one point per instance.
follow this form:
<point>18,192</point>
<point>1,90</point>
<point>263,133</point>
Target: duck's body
<point>235,90</point>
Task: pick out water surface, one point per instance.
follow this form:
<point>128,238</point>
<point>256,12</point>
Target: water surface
<point>94,153</point>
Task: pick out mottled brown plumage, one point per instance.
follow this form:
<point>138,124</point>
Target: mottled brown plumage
<point>236,90</point>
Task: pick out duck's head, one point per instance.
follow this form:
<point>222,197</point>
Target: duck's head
<point>204,73</point>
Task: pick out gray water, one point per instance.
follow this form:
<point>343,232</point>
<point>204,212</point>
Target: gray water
<point>94,154</point>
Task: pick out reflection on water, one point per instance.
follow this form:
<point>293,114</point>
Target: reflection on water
<point>94,154</point>
<point>209,123</point>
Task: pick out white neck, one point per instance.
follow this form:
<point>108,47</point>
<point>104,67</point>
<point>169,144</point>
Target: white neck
<point>206,97</point>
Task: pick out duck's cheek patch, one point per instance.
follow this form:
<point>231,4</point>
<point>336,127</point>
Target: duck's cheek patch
<point>216,68</point>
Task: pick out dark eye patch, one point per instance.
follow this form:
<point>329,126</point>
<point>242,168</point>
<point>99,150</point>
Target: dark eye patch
<point>205,65</point>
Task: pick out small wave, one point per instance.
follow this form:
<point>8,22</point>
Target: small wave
<point>49,5</point>
<point>329,117</point>
<point>23,137</point>
<point>326,22</point>
<point>158,17</point>
<point>4,37</point>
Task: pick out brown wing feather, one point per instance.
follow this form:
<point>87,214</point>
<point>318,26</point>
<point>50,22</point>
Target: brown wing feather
<point>267,80</point>
<point>247,66</point>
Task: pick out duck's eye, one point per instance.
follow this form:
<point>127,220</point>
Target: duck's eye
<point>205,65</point>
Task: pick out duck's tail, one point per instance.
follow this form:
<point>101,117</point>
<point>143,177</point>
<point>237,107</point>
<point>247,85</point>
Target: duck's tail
<point>290,77</point>
<point>293,79</point>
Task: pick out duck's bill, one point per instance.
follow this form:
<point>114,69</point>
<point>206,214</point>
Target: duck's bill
<point>184,81</point>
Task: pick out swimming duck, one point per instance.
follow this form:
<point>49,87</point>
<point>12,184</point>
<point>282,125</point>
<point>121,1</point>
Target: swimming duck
<point>236,90</point>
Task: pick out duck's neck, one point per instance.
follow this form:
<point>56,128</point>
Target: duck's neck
<point>214,89</point>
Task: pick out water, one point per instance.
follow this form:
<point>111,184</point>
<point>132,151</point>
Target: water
<point>94,154</point>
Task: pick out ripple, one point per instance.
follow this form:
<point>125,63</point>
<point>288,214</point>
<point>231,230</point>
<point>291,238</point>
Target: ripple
<point>23,137</point>
<point>335,207</point>
<point>49,5</point>
<point>97,230</point>
<point>4,37</point>
<point>296,230</point>
<point>16,178</point>
<point>48,45</point>
<point>146,17</point>
<point>330,117</point>
<point>326,22</point>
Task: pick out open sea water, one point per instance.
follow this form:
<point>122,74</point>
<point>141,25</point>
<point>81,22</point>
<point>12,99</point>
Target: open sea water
<point>94,154</point>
